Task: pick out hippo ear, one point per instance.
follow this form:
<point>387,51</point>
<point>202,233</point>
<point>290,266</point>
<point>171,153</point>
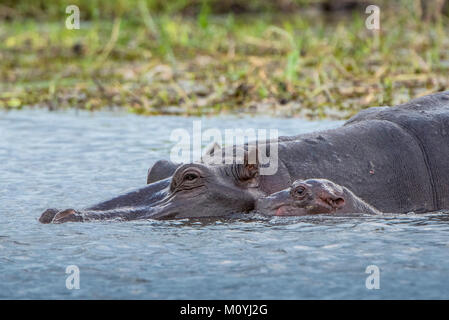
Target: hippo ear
<point>250,172</point>
<point>251,160</point>
<point>212,148</point>
<point>160,170</point>
<point>210,151</point>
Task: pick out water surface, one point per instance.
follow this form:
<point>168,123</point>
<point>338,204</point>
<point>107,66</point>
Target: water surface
<point>75,159</point>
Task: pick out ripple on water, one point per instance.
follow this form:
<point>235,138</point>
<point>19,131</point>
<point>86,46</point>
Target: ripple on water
<point>68,159</point>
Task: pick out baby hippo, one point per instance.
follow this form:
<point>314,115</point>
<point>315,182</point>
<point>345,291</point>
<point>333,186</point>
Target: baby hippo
<point>313,196</point>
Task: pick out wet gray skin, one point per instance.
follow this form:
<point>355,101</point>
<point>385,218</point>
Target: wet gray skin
<point>194,191</point>
<point>313,196</point>
<point>394,158</point>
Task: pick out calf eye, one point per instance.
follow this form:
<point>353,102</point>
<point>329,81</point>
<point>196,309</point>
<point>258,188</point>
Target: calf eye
<point>299,191</point>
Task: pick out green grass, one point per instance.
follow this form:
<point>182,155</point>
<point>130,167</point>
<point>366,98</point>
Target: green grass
<point>300,64</point>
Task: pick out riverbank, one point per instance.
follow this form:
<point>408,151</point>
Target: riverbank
<point>306,65</point>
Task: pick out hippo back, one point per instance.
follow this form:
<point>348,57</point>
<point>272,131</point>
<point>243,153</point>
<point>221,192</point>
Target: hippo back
<point>426,120</point>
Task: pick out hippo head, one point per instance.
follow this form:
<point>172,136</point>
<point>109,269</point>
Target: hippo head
<point>195,190</point>
<point>198,190</point>
<point>303,197</point>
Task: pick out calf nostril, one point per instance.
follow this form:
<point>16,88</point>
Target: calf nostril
<point>339,202</point>
<point>333,201</point>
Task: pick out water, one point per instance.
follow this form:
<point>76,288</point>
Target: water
<point>69,159</point>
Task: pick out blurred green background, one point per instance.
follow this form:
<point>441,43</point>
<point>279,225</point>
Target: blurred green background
<point>303,58</point>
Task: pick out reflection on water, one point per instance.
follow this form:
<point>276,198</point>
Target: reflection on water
<point>69,159</point>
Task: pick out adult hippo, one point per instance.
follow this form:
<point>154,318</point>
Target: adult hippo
<point>394,158</point>
<point>313,196</point>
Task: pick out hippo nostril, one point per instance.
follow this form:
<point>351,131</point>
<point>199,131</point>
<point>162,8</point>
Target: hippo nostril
<point>334,202</point>
<point>66,216</point>
<point>48,215</point>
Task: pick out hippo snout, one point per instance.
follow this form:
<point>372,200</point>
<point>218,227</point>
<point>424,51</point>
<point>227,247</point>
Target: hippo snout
<point>265,207</point>
<point>269,205</point>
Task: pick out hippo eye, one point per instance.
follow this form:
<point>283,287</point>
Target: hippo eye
<point>190,176</point>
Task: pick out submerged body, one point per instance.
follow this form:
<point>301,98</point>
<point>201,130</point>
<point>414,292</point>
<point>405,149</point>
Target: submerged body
<point>394,158</point>
<point>313,196</point>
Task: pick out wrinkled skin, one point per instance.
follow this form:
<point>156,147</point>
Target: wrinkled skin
<point>394,158</point>
<point>313,196</point>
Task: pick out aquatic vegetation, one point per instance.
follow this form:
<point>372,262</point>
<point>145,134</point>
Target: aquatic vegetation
<point>159,60</point>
